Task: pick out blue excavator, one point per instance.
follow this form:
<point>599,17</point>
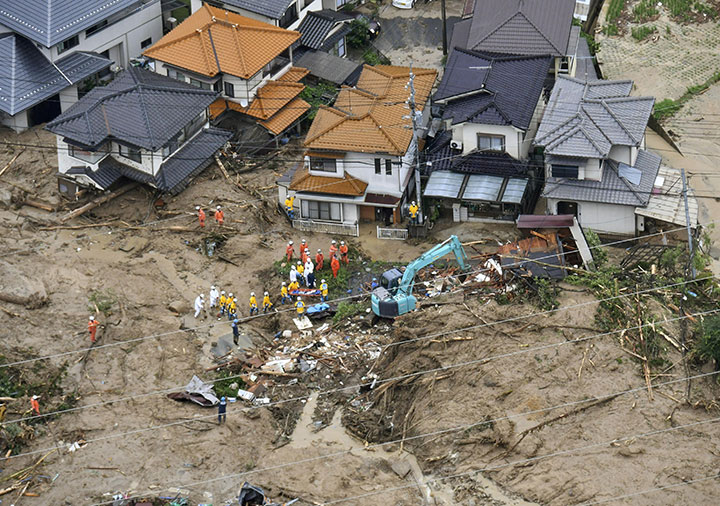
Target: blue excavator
<point>394,295</point>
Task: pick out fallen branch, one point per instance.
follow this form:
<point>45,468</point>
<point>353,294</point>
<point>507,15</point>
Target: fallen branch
<point>97,202</point>
<point>12,160</point>
<point>38,204</point>
<point>78,227</point>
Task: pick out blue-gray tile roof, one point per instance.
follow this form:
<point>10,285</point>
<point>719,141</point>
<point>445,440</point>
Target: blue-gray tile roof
<point>316,26</point>
<point>173,175</point>
<point>612,189</point>
<point>492,89</point>
<point>519,27</point>
<point>330,67</point>
<point>586,119</point>
<point>28,77</point>
<point>49,22</point>
<point>139,107</point>
<point>273,9</point>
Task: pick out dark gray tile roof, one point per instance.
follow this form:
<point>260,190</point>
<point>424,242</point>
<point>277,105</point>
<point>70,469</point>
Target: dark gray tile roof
<point>491,88</point>
<point>586,119</point>
<point>612,189</point>
<point>443,157</point>
<point>316,26</point>
<point>51,21</point>
<point>139,107</point>
<point>519,27</point>
<point>191,159</point>
<point>28,77</point>
<point>173,175</point>
<point>273,9</point>
<point>329,67</point>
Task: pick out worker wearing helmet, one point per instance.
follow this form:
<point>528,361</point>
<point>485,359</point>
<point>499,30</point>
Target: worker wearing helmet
<point>289,251</point>
<point>300,306</point>
<point>323,290</point>
<point>344,252</point>
<point>333,248</point>
<point>284,294</point>
<point>253,304</point>
<point>199,304</point>
<point>92,328</point>
<point>231,307</point>
<point>201,216</point>
<point>222,408</point>
<point>414,213</point>
<point>289,203</point>
<point>223,304</point>
<point>319,259</point>
<point>219,216</point>
<point>266,302</point>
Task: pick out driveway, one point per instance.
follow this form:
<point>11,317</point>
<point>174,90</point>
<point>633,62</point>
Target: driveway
<point>415,35</point>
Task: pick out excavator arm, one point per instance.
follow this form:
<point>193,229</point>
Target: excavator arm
<point>387,304</point>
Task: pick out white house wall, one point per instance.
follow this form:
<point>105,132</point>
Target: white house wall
<point>532,129</point>
<point>467,134</point>
<point>603,218</point>
<point>362,166</point>
<point>621,154</point>
<point>125,35</point>
<point>68,97</point>
<point>18,123</point>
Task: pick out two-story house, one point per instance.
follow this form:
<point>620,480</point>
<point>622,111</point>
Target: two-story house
<point>522,27</point>
<point>360,152</point>
<point>597,168</point>
<point>282,13</point>
<point>142,126</point>
<point>248,62</point>
<point>490,107</point>
<point>54,51</point>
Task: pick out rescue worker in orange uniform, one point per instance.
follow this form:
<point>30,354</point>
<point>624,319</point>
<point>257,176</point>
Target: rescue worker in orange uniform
<point>333,249</point>
<point>319,259</point>
<point>219,216</point>
<point>92,328</point>
<point>344,252</point>
<point>35,405</point>
<point>201,216</point>
<point>335,266</point>
<point>289,251</point>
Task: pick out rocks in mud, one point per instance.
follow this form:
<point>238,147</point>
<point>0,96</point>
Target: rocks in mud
<point>17,288</point>
<point>6,198</point>
<point>179,306</point>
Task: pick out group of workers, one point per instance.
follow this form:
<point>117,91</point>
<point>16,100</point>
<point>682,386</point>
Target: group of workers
<point>219,216</point>
<point>305,266</point>
<point>226,305</point>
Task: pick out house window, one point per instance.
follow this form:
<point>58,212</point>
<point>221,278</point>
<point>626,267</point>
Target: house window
<point>491,142</point>
<point>88,156</point>
<point>323,164</point>
<point>96,28</point>
<point>176,75</point>
<point>217,86</point>
<point>130,153</point>
<point>67,44</point>
<point>290,16</point>
<point>378,166</point>
<point>146,43</point>
<point>339,48</point>
<point>388,167</point>
<point>570,171</point>
<point>229,89</point>
<point>326,211</point>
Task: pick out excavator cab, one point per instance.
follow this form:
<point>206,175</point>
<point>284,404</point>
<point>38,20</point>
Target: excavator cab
<point>383,302</point>
<point>391,280</point>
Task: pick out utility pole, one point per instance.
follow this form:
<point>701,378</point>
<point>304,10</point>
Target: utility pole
<point>415,128</point>
<point>444,28</point>
<point>687,223</point>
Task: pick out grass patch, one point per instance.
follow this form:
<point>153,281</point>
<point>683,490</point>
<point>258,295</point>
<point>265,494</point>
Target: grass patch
<point>349,309</point>
<point>320,94</point>
<point>668,107</point>
<point>103,301</point>
<point>687,11</point>
<point>641,33</point>
<point>373,57</point>
<point>615,10</point>
<point>644,11</point>
<point>226,378</point>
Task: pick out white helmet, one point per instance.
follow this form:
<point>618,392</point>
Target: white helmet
<point>334,241</point>
<point>284,284</point>
<point>293,268</point>
<point>319,250</point>
<point>202,295</point>
<point>197,208</point>
<point>230,295</point>
<point>290,243</point>
<point>267,293</point>
<point>299,298</point>
<point>342,243</point>
<point>322,280</point>
<point>299,263</point>
<point>218,207</point>
<point>413,202</point>
<point>303,241</point>
<point>212,287</point>
<point>252,294</point>
<point>222,293</point>
<point>92,318</point>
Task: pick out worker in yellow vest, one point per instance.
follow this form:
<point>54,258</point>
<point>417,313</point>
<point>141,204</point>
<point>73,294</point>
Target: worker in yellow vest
<point>300,306</point>
<point>414,213</point>
<point>253,304</point>
<point>323,291</point>
<point>266,303</point>
<point>284,294</point>
<point>289,203</point>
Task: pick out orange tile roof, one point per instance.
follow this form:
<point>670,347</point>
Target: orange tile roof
<point>272,97</point>
<point>286,116</point>
<point>294,74</point>
<point>369,118</point>
<point>347,185</point>
<point>218,107</point>
<point>213,40</point>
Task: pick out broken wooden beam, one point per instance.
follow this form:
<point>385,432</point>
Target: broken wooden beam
<point>98,201</point>
<point>222,166</point>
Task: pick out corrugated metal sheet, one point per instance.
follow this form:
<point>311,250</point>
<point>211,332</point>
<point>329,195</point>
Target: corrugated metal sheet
<point>482,187</point>
<point>514,191</point>
<point>667,203</point>
<point>444,183</point>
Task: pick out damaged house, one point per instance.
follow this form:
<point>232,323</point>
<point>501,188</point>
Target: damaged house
<point>479,163</point>
<point>142,126</point>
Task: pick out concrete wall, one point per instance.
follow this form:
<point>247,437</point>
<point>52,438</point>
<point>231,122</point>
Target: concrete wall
<point>122,38</point>
<point>18,123</point>
<point>603,218</point>
<point>621,154</point>
<point>467,134</point>
<point>68,97</point>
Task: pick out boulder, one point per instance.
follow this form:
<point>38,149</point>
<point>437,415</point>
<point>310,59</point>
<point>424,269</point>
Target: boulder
<point>179,306</point>
<point>17,288</point>
<point>5,198</point>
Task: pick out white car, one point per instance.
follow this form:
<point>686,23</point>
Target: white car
<point>403,4</point>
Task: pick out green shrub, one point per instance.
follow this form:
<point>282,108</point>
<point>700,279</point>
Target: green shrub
<point>642,32</point>
<point>359,36</point>
<point>103,301</point>
<point>644,10</point>
<point>372,57</point>
<point>666,108</point>
<point>348,309</point>
<point>707,345</point>
<point>600,256</point>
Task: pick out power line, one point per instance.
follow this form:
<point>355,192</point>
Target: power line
<point>380,382</point>
<point>445,431</point>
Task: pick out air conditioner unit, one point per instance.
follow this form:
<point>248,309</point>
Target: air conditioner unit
<point>170,23</point>
<point>456,145</point>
